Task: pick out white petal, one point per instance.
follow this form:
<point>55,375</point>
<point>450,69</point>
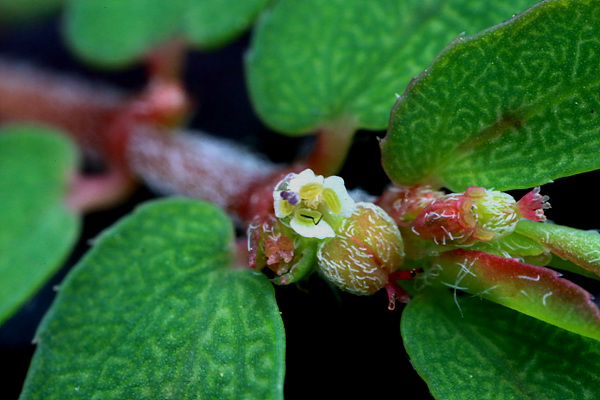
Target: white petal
<point>284,183</point>
<point>320,231</point>
<point>304,177</point>
<point>337,185</point>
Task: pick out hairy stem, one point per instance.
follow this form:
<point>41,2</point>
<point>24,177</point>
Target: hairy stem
<point>201,166</point>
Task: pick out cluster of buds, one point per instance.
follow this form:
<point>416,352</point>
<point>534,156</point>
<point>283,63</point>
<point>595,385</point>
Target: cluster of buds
<point>270,244</point>
<point>478,214</point>
<point>356,246</point>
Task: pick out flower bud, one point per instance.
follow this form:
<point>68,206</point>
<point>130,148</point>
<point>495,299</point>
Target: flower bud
<point>497,212</point>
<point>367,248</point>
<point>287,256</point>
<point>478,214</point>
<point>447,220</point>
<point>404,203</point>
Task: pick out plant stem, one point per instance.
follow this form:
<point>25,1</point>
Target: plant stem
<point>201,166</point>
<point>94,193</point>
<point>331,149</point>
<point>166,61</point>
<point>29,94</point>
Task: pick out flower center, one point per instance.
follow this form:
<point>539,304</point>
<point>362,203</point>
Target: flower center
<point>310,190</point>
<point>309,217</point>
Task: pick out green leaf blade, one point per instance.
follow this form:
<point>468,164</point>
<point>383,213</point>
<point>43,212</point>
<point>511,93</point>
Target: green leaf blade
<point>580,247</point>
<point>116,33</point>
<point>37,230</point>
<point>492,352</point>
<point>512,107</point>
<point>315,63</point>
<point>208,24</point>
<point>536,291</point>
<point>153,311</point>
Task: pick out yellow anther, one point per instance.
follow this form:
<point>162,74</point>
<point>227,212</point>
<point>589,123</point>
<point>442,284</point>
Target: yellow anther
<point>468,219</point>
<point>465,204</point>
<point>483,234</point>
<point>308,216</point>
<point>285,207</point>
<point>332,200</point>
<point>475,192</point>
<point>310,190</point>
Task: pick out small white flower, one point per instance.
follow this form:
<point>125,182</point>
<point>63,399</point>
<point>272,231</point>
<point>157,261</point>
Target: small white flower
<point>312,203</point>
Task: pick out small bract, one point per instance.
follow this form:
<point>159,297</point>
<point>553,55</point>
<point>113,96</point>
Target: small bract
<point>313,206</point>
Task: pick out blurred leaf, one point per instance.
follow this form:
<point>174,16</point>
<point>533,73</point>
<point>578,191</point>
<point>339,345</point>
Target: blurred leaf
<point>580,247</point>
<point>314,63</point>
<point>23,11</point>
<point>512,107</point>
<point>114,33</point>
<point>536,291</point>
<point>37,231</point>
<point>154,311</point>
<point>209,23</point>
<point>492,352</point>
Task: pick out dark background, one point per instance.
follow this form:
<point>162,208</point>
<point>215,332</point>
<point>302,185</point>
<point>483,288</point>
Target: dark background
<point>338,345</point>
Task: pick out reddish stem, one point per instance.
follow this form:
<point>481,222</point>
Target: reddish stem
<point>167,61</point>
<point>331,148</point>
<point>98,192</point>
<point>99,118</point>
<point>134,137</point>
<point>82,109</point>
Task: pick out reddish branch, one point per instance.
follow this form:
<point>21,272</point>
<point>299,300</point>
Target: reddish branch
<point>134,137</point>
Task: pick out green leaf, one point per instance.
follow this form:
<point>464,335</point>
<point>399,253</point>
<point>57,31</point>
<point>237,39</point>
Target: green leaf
<point>37,231</point>
<point>209,23</point>
<point>495,353</point>
<point>153,311</point>
<point>536,291</point>
<point>115,33</point>
<point>513,245</point>
<point>314,63</point>
<point>16,12</point>
<point>566,265</point>
<point>580,247</point>
<point>512,107</point>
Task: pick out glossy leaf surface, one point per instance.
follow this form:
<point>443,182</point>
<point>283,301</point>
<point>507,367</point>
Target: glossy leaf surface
<point>314,63</point>
<point>536,291</point>
<point>512,107</point>
<point>492,352</point>
<point>37,231</point>
<point>154,311</point>
<point>114,33</point>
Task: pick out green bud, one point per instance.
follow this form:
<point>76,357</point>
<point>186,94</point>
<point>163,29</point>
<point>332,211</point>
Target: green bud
<point>366,249</point>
